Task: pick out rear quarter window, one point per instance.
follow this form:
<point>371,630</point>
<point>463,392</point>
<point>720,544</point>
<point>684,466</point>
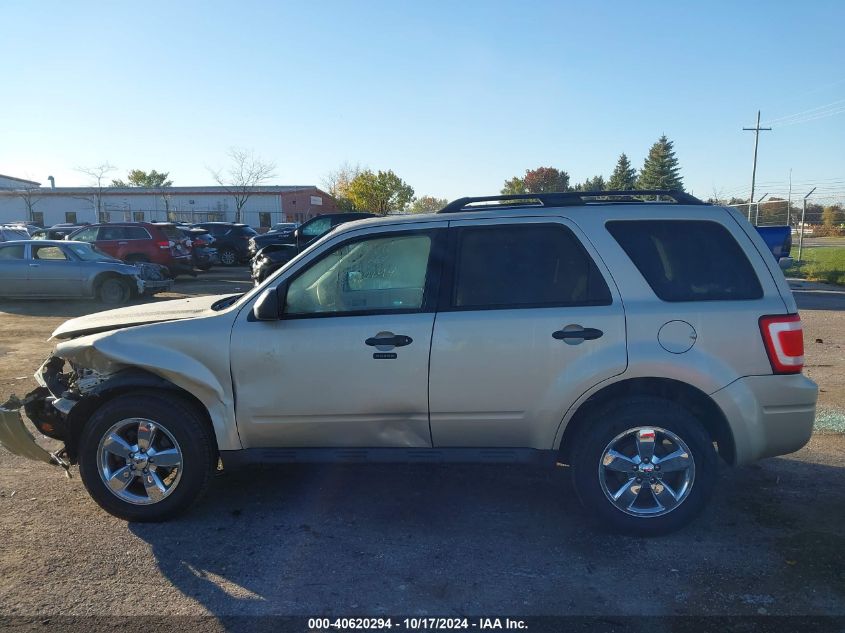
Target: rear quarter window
<point>688,260</point>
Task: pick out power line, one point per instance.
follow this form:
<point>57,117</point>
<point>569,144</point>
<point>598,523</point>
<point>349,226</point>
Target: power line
<point>804,112</point>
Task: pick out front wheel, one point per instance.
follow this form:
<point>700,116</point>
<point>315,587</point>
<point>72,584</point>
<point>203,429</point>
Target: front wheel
<point>644,466</point>
<point>114,291</point>
<point>146,456</point>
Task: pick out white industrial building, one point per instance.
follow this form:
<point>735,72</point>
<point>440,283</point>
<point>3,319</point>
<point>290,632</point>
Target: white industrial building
<point>25,200</point>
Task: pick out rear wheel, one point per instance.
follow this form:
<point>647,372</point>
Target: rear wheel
<point>146,457</point>
<point>644,466</point>
<point>114,291</point>
<point>228,257</point>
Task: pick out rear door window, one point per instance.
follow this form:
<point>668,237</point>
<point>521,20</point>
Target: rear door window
<point>48,253</point>
<point>688,260</point>
<point>524,266</point>
<point>13,251</point>
<point>112,233</point>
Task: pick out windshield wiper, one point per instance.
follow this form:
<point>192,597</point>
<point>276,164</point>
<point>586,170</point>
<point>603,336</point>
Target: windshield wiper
<point>225,302</point>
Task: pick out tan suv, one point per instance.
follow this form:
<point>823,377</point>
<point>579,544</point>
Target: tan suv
<point>636,336</point>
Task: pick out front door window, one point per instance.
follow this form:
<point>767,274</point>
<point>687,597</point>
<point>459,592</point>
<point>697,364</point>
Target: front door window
<point>385,273</point>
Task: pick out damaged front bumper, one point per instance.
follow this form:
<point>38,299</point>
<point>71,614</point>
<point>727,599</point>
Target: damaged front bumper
<point>47,408</point>
<point>17,439</point>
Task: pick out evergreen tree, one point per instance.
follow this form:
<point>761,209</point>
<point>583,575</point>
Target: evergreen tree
<point>624,176</point>
<point>596,183</point>
<point>661,170</point>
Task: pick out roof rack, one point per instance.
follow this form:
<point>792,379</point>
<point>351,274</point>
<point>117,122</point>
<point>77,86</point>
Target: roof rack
<point>569,198</point>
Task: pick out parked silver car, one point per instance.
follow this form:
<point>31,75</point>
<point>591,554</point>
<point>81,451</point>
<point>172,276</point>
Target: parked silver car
<point>637,341</point>
<point>51,269</point>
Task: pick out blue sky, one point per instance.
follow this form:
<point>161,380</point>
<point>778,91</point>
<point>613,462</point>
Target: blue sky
<point>455,97</point>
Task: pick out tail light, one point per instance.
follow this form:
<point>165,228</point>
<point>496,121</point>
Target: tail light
<point>164,244</point>
<point>783,336</point>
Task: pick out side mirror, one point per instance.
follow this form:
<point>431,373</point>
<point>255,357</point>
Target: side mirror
<point>269,305</point>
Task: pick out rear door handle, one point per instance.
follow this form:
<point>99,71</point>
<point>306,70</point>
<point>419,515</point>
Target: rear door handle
<point>385,339</point>
<point>582,333</point>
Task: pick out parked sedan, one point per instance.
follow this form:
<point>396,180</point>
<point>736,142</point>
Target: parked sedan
<point>52,269</point>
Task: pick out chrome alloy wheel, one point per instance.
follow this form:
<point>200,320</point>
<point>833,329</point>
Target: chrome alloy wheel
<point>139,461</point>
<point>646,471</point>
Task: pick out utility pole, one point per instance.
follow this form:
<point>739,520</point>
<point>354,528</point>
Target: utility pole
<point>756,129</point>
<point>789,201</point>
<point>803,212</point>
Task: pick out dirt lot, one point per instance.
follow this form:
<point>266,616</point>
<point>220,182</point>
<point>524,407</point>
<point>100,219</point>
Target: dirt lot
<point>416,540</point>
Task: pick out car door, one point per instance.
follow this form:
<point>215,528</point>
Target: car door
<point>346,365</point>
<point>113,240</point>
<point>529,319</point>
<point>14,270</point>
<point>53,272</point>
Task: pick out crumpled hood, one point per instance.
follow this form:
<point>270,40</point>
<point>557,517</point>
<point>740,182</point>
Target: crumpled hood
<point>136,315</point>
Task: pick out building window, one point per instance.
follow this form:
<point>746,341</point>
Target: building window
<point>264,220</point>
<point>104,216</point>
<point>70,217</point>
<point>38,217</point>
<point>138,216</point>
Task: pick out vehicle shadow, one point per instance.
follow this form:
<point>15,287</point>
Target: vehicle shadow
<point>371,540</point>
<point>65,308</point>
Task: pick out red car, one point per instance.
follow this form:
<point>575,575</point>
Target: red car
<point>159,243</point>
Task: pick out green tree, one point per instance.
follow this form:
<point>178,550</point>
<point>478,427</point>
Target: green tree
<point>141,178</point>
<point>624,176</point>
<point>427,204</point>
<point>380,192</point>
<point>514,187</point>
<point>660,169</point>
<point>596,183</point>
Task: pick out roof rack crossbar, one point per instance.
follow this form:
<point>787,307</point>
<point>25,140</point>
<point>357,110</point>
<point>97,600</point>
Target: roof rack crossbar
<point>567,198</point>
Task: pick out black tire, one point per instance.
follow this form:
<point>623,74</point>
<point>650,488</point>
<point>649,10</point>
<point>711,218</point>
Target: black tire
<point>228,257</point>
<point>633,413</point>
<point>193,437</point>
<point>203,267</point>
<point>114,291</point>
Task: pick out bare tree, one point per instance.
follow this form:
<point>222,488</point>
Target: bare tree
<point>337,182</point>
<point>98,184</point>
<point>245,172</point>
<point>30,198</point>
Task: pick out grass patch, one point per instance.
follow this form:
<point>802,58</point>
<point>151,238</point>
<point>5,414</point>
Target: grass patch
<point>825,263</point>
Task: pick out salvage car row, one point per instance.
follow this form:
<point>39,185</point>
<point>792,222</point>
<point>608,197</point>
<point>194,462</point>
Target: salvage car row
<point>112,262</point>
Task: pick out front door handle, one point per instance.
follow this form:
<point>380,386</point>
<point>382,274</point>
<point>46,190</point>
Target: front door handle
<point>388,339</point>
<point>577,332</point>
<point>33,265</point>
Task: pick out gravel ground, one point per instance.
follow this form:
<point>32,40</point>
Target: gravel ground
<point>415,540</point>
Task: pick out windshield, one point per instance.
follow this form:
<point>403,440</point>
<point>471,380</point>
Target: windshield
<point>89,253</point>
